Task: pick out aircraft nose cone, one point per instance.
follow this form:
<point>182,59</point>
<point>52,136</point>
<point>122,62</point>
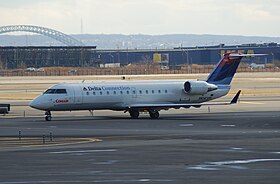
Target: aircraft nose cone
<point>40,103</point>
<point>34,104</point>
<point>37,104</point>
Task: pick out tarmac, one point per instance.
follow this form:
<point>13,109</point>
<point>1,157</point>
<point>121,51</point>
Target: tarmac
<point>232,144</point>
<point>223,144</point>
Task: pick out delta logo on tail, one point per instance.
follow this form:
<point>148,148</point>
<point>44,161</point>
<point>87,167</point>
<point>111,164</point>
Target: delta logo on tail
<point>227,60</point>
<point>226,68</point>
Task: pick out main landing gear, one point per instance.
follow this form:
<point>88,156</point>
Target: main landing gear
<point>48,116</point>
<point>134,114</point>
<point>154,114</point>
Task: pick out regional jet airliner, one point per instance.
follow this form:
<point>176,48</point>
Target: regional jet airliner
<point>142,96</point>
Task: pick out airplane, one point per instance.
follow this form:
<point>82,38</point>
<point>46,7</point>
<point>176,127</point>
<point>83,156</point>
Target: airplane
<point>142,96</point>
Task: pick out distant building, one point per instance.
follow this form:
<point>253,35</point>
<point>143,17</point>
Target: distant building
<point>89,56</point>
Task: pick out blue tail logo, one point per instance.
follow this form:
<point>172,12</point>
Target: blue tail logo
<point>225,69</point>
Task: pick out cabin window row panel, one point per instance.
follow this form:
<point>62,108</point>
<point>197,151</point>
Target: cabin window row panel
<point>128,92</point>
<point>152,91</point>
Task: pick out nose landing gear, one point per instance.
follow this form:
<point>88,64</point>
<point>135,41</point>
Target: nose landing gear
<point>48,116</point>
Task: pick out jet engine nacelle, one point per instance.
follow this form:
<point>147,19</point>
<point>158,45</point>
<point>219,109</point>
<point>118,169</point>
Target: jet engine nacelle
<point>198,87</point>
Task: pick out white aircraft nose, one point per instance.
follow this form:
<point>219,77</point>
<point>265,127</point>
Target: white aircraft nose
<point>36,104</point>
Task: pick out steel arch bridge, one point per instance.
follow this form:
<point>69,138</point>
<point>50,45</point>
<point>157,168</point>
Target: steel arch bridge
<point>59,36</point>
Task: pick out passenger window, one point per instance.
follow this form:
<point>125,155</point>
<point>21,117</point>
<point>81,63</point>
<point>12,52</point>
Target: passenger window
<point>140,92</point>
<point>121,92</point>
<point>100,92</point>
<point>134,92</point>
<point>127,92</point>
<point>108,92</point>
<point>115,92</point>
<point>87,93</point>
<point>147,91</point>
<point>93,93</point>
<point>153,91</point>
<point>165,91</point>
<point>159,91</point>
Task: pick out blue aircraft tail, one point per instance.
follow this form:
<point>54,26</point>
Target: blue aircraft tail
<point>225,69</point>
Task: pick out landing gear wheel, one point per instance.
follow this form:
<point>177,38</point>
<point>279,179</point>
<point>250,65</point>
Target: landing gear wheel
<point>48,116</point>
<point>134,114</point>
<point>154,114</point>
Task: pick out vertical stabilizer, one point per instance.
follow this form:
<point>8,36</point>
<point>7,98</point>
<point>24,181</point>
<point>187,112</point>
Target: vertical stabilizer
<point>225,69</point>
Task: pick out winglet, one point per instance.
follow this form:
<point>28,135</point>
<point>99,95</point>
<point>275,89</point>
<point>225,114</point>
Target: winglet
<point>235,98</point>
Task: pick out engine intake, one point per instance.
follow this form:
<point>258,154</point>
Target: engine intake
<point>198,87</point>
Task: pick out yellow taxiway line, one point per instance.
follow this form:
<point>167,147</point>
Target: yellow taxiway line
<point>90,140</point>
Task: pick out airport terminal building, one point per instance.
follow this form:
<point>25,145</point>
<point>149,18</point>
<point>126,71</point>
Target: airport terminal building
<point>90,56</point>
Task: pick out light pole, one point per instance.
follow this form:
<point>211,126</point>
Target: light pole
<point>187,54</point>
<point>112,57</point>
<point>272,58</point>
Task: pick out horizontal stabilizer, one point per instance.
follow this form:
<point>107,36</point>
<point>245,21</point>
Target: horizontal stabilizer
<point>245,55</point>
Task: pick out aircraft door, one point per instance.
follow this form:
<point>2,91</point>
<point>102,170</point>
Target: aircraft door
<point>78,94</point>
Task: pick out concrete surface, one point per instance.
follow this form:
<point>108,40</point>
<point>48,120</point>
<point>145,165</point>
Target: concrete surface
<point>236,144</point>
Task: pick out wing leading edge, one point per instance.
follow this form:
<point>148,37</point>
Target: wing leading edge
<point>185,105</point>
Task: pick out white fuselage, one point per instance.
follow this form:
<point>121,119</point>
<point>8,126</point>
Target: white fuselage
<point>119,95</point>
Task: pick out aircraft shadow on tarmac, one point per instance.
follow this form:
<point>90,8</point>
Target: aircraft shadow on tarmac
<point>200,117</point>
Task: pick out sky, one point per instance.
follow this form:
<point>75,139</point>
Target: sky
<point>153,17</point>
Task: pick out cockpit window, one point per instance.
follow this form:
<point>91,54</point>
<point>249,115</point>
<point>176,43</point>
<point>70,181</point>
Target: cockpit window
<point>55,91</point>
<point>61,91</point>
<point>50,91</point>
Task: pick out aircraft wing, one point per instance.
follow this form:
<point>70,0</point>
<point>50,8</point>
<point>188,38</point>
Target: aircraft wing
<point>186,105</point>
